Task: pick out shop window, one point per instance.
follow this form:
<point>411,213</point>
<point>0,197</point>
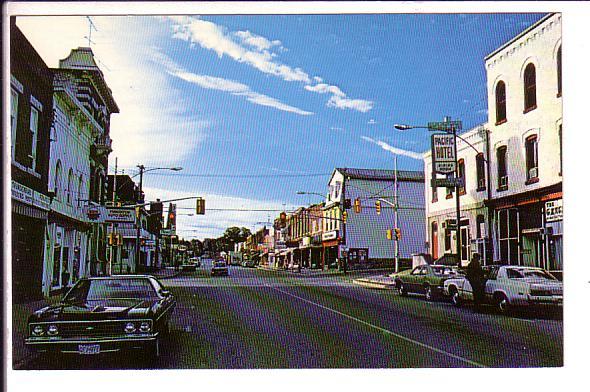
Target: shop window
<point>559,72</point>
<point>480,172</point>
<point>448,236</point>
<point>500,103</point>
<point>480,226</point>
<point>508,236</point>
<point>532,159</point>
<point>502,169</point>
<point>461,175</point>
<point>530,88</point>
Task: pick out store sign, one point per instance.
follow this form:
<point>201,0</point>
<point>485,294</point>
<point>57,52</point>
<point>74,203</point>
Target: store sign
<point>554,210</point>
<point>28,196</point>
<point>443,153</point>
<point>120,215</point>
<point>96,214</point>
<point>331,235</point>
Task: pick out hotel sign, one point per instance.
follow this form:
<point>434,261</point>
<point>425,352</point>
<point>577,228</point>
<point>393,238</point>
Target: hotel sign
<point>554,210</point>
<point>443,153</point>
<point>120,215</point>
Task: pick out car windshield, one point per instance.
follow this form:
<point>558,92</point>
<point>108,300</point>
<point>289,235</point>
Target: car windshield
<point>89,290</point>
<point>522,273</point>
<point>442,270</point>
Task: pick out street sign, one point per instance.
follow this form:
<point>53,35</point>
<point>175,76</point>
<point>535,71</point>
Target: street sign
<point>445,126</point>
<point>443,153</point>
<point>450,182</point>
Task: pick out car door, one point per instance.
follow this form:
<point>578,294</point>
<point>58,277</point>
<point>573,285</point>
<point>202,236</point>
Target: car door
<point>413,278</point>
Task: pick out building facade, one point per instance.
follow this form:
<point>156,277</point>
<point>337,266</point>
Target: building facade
<point>31,103</point>
<point>525,122</point>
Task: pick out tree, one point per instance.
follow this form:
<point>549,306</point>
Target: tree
<point>232,236</point>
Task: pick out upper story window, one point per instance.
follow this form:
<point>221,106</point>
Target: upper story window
<point>434,194</point>
<point>461,175</point>
<point>57,180</point>
<point>530,88</point>
<point>480,172</point>
<point>500,103</point>
<point>33,129</point>
<point>559,72</point>
<point>69,190</point>
<point>502,170</point>
<point>13,119</point>
<point>449,194</point>
<point>560,151</point>
<point>337,189</point>
<point>532,159</point>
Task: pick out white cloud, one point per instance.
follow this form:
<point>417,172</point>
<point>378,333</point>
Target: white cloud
<point>226,85</point>
<point>214,223</point>
<point>372,122</point>
<point>151,128</point>
<point>336,129</point>
<point>395,150</point>
<point>255,50</point>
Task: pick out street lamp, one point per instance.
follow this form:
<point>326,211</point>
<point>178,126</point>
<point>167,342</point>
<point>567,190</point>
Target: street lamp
<point>142,170</point>
<point>449,127</point>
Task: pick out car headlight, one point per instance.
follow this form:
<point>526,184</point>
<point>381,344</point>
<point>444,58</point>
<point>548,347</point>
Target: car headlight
<point>129,327</point>
<point>145,326</point>
<point>38,330</point>
<point>52,330</point>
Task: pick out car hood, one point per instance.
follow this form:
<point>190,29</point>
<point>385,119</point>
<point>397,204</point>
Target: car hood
<point>95,310</point>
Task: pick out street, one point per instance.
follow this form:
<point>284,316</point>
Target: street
<point>276,319</point>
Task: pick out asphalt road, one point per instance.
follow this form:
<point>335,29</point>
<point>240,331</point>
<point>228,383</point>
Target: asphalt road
<point>266,319</point>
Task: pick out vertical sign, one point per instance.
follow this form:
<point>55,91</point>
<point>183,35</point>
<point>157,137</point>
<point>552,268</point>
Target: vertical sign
<point>443,153</point>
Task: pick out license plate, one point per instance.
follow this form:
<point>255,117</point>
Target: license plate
<point>89,349</point>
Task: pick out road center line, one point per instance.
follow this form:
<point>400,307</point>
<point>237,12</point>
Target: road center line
<point>437,350</point>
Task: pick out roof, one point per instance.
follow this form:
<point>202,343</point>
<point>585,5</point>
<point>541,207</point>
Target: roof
<point>82,59</point>
<point>530,28</point>
<point>382,174</point>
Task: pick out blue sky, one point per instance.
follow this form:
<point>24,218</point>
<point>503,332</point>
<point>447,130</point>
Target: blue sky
<point>281,99</point>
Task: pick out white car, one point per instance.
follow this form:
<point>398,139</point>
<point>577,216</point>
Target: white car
<point>508,286</point>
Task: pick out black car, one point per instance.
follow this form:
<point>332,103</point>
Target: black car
<point>219,268</point>
<point>102,315</point>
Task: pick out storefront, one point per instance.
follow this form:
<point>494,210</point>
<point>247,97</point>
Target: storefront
<point>554,236</point>
<point>330,245</point>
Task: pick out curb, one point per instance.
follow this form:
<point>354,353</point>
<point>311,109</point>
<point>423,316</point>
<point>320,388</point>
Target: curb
<point>369,283</point>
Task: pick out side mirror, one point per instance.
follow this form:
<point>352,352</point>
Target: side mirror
<point>165,293</point>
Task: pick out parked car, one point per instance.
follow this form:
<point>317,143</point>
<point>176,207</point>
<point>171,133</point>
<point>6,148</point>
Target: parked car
<point>219,268</point>
<point>102,315</point>
<point>510,286</point>
<point>424,279</point>
<point>191,264</point>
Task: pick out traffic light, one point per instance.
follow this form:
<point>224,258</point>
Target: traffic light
<point>389,234</point>
<point>357,205</point>
<point>344,216</point>
<point>378,207</point>
<point>200,206</point>
<point>347,204</point>
<point>398,234</point>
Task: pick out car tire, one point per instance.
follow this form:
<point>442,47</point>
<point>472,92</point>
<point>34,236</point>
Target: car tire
<point>455,297</point>
<point>502,303</point>
<point>429,293</point>
<point>402,289</point>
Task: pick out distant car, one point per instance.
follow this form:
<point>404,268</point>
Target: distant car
<point>102,315</point>
<point>424,279</point>
<point>511,286</point>
<point>191,264</point>
<point>219,268</point>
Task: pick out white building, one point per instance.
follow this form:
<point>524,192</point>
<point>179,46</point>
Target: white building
<point>525,122</point>
<point>441,202</point>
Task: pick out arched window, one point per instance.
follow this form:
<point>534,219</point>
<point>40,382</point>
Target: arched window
<point>57,180</point>
<point>502,169</point>
<point>559,72</point>
<point>480,171</point>
<point>532,159</point>
<point>530,88</point>
<point>500,102</point>
<point>69,190</point>
<point>80,188</point>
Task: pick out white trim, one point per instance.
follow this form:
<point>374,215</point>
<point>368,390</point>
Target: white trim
<point>16,84</point>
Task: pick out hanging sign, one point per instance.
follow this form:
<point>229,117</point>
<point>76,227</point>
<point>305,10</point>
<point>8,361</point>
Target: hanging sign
<point>443,153</point>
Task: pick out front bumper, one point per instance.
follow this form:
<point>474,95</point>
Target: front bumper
<point>545,300</point>
<point>105,344</point>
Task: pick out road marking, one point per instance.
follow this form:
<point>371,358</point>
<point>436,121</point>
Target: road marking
<point>437,350</point>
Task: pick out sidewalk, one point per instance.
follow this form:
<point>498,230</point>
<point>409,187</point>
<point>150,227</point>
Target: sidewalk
<point>377,282</point>
<point>306,272</point>
<point>166,273</point>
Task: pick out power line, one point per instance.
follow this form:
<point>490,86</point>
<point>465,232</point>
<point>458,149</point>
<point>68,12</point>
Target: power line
<point>204,175</point>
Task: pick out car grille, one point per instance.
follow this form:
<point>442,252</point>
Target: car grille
<point>91,329</point>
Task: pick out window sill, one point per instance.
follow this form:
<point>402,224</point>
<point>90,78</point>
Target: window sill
<point>481,189</point>
<point>461,193</point>
<point>532,181</point>
<point>434,200</point>
<point>501,122</point>
<point>525,111</point>
<point>449,196</point>
<point>502,189</point>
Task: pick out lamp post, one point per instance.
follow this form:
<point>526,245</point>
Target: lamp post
<point>142,170</point>
<point>449,127</point>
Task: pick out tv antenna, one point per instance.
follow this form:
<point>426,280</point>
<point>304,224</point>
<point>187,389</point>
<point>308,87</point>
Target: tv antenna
<point>91,26</point>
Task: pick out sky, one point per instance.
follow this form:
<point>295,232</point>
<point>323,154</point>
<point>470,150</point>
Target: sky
<point>257,107</point>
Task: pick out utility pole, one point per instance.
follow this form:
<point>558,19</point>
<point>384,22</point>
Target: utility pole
<point>113,233</point>
<point>138,218</point>
<point>457,196</point>
<point>396,249</point>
